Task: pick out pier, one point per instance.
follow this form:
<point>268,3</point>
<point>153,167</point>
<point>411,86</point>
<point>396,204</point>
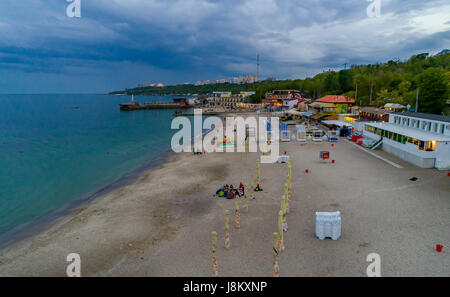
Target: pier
<point>178,103</point>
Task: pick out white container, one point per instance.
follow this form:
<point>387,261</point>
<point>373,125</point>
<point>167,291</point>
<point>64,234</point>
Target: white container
<point>328,224</point>
<point>283,159</point>
<point>286,136</point>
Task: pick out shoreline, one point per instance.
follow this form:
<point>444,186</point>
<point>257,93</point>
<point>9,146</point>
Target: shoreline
<point>126,223</point>
<point>42,223</point>
<point>36,226</point>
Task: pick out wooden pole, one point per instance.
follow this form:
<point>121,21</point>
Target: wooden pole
<point>252,188</point>
<point>284,209</point>
<point>227,229</point>
<point>258,172</point>
<point>276,268</point>
<point>286,204</point>
<point>280,231</point>
<point>215,269</point>
<point>238,216</point>
<point>288,194</point>
<point>245,207</point>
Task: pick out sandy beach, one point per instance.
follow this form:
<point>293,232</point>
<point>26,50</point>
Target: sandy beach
<point>161,224</point>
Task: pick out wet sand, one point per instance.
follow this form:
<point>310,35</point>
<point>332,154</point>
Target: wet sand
<point>161,224</point>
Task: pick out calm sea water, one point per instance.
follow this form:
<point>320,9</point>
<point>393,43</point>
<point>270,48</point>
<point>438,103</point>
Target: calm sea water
<point>55,149</point>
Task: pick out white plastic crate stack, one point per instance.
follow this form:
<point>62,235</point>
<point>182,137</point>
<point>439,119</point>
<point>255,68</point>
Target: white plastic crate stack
<point>283,159</point>
<point>328,224</point>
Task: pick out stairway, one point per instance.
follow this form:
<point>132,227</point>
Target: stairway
<point>376,144</point>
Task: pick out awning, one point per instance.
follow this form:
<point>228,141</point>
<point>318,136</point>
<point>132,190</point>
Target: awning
<point>394,105</point>
<point>336,123</point>
<point>318,116</point>
<point>294,112</point>
<point>307,114</point>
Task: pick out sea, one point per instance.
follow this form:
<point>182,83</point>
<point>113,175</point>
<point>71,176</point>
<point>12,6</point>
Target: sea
<point>59,151</point>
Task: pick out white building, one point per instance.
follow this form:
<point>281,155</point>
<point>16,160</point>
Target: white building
<point>421,139</point>
<point>290,103</point>
<point>247,94</point>
<point>222,94</point>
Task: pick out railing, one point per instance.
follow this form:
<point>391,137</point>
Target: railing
<point>161,103</point>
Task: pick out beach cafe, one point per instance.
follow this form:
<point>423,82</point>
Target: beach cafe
<point>421,139</point>
<point>335,104</point>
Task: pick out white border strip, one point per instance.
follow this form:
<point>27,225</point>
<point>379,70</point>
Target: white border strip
<point>375,155</point>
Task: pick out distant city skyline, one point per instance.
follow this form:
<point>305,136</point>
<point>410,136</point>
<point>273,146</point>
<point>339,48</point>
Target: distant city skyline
<point>119,44</point>
<point>234,80</point>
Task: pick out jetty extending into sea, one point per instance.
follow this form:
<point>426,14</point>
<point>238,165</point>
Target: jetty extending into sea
<point>178,103</point>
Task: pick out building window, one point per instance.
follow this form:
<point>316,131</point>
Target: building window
<point>442,128</point>
<point>370,129</point>
<point>430,146</point>
<point>421,145</point>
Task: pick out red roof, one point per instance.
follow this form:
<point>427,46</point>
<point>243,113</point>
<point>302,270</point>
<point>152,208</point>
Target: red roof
<point>336,99</point>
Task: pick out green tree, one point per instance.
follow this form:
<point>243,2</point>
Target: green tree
<point>433,89</point>
<point>331,82</point>
<point>345,81</point>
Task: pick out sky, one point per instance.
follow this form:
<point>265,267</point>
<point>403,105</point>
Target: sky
<point>118,44</point>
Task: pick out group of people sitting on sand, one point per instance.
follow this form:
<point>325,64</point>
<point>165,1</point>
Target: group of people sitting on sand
<point>229,192</point>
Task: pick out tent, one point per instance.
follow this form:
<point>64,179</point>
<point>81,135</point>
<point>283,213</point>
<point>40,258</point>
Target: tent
<point>294,112</point>
<point>318,116</point>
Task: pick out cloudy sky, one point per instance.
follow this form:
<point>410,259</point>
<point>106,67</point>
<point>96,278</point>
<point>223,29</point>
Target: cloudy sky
<point>121,43</point>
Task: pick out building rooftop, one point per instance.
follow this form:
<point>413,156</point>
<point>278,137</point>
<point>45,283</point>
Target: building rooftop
<point>427,116</point>
<point>375,110</point>
<point>335,99</point>
<point>411,132</point>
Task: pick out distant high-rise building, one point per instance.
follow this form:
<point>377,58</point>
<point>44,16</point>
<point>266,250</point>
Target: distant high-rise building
<point>257,68</point>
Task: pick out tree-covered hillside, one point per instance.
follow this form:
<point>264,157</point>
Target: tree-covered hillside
<point>377,84</point>
<point>394,81</point>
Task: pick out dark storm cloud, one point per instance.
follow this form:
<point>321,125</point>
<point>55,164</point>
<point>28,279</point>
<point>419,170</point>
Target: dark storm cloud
<point>119,43</point>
